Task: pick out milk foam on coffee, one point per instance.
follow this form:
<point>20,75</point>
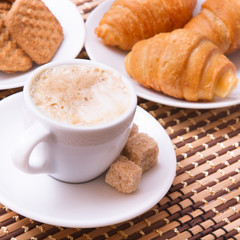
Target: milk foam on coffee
<point>80,94</point>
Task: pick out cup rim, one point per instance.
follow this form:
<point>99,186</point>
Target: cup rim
<point>54,123</point>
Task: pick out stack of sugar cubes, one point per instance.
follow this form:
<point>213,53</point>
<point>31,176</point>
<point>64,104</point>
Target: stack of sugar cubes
<point>139,154</point>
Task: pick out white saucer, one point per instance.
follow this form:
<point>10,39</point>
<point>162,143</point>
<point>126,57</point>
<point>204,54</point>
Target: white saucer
<point>91,204</point>
<point>115,58</point>
<point>74,36</point>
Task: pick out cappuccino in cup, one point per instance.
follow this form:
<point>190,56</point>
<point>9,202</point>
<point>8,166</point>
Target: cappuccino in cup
<point>78,116</point>
<point>80,94</point>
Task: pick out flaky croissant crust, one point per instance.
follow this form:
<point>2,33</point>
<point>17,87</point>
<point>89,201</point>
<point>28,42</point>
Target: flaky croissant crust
<point>128,21</point>
<point>183,64</point>
<point>219,21</point>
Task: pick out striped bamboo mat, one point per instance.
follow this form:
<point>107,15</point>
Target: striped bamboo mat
<point>204,200</point>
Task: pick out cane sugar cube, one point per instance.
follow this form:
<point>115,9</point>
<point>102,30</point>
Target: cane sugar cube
<point>134,130</point>
<point>124,175</point>
<point>142,150</point>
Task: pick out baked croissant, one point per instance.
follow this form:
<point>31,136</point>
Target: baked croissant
<point>183,64</point>
<point>128,21</point>
<point>220,22</point>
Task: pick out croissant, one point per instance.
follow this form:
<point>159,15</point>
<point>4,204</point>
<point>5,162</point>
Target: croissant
<point>128,21</point>
<point>220,22</point>
<point>182,64</point>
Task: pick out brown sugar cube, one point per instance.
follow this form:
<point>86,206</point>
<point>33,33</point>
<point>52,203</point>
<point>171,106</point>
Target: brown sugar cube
<point>35,29</point>
<point>134,130</point>
<point>12,58</point>
<point>142,150</point>
<point>124,175</point>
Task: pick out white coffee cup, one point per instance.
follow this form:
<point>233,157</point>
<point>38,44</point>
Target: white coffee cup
<point>69,152</point>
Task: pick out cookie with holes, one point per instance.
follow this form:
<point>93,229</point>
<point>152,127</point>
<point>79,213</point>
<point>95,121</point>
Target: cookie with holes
<point>12,57</point>
<point>35,29</point>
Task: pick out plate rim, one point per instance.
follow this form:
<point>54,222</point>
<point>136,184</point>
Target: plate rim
<point>10,83</point>
<point>14,99</point>
<point>151,94</point>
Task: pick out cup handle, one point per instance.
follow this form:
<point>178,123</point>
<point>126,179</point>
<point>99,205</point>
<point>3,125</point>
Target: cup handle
<point>36,134</point>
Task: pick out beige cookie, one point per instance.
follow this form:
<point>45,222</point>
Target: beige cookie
<point>12,58</point>
<point>35,29</point>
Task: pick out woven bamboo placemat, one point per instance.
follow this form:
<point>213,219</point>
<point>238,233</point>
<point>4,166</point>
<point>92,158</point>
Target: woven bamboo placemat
<point>204,200</point>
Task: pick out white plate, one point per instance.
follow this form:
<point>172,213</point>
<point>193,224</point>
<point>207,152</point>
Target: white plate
<point>115,58</point>
<point>91,204</point>
<point>74,36</point>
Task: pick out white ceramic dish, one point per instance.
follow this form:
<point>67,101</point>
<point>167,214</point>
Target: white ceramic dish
<point>115,58</point>
<point>74,37</point>
<point>91,204</point>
